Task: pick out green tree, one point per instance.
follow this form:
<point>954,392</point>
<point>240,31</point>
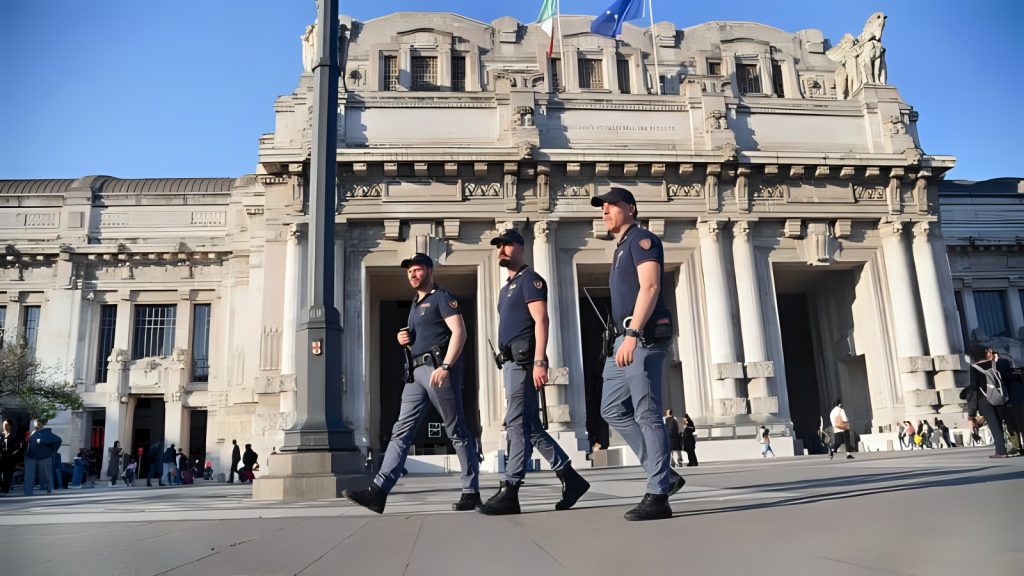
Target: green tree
<point>39,388</point>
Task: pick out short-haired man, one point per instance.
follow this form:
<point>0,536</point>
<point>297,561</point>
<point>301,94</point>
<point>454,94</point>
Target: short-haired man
<point>434,336</point>
<point>840,431</point>
<point>523,339</point>
<point>631,396</point>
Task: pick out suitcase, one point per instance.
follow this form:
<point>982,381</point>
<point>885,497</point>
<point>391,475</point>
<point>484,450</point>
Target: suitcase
<point>186,477</point>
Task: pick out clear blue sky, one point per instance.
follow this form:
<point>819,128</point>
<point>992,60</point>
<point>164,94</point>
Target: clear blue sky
<point>160,88</point>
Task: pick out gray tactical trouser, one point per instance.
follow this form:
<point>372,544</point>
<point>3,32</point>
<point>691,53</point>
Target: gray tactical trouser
<point>631,404</point>
<point>448,402</point>
<point>523,427</point>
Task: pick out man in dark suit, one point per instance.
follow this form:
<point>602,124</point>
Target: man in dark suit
<point>236,458</point>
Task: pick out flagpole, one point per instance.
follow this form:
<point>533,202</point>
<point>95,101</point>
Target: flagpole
<point>654,47</point>
<point>561,47</point>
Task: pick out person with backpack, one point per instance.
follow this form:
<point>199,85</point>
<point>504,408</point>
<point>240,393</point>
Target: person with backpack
<point>986,394</point>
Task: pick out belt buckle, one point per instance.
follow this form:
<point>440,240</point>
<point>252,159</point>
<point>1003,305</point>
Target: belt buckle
<point>427,358</point>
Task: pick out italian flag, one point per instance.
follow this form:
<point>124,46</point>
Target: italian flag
<point>546,18</point>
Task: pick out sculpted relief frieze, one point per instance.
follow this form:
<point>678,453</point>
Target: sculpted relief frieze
<point>690,190</point>
<point>868,193</point>
<point>363,190</point>
<point>481,189</point>
<point>770,192</point>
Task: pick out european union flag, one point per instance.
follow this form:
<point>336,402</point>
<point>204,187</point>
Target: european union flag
<point>610,23</point>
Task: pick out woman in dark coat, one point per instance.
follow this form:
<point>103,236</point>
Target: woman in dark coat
<point>114,462</point>
<point>675,439</point>
<point>689,440</point>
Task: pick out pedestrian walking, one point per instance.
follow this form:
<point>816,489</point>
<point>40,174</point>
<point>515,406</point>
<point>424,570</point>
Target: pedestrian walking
<point>114,462</point>
<point>522,340</point>
<point>432,344</point>
<point>690,440</point>
<point>250,461</point>
<point>154,461</point>
<point>41,447</point>
<point>11,453</point>
<point>675,439</point>
<point>168,460</point>
<point>840,431</point>
<point>985,397</point>
<point>766,443</point>
<point>642,326</point>
<point>236,459</point>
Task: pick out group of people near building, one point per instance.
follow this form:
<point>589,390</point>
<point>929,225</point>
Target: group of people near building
<point>637,342</point>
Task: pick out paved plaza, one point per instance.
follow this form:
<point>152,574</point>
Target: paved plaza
<point>936,512</point>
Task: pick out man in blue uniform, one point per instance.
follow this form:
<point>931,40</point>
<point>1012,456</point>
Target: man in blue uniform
<point>434,337</point>
<point>631,397</point>
<point>523,338</point>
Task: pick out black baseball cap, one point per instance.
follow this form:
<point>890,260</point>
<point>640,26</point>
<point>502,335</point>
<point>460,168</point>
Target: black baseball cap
<point>419,258</point>
<point>510,236</point>
<point>612,196</point>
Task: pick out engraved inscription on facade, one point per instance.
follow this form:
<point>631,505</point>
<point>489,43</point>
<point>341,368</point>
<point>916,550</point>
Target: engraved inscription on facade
<point>113,220</point>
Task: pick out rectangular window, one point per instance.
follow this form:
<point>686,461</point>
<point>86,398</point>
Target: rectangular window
<point>30,327</point>
<point>622,68</point>
<point>389,73</point>
<point>590,74</point>
<point>201,343</point>
<point>556,75</point>
<point>458,73</point>
<point>777,79</point>
<point>991,308</point>
<point>424,73</point>
<point>749,80</point>
<point>3,322</point>
<point>105,341</point>
<point>153,333</point>
<point>714,68</point>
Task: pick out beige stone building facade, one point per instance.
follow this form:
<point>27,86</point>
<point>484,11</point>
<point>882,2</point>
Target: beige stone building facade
<point>799,211</point>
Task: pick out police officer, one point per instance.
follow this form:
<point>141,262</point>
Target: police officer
<point>631,396</point>
<point>434,339</point>
<point>523,338</point>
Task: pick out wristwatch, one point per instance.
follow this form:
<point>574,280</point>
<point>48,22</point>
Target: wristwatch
<point>540,363</point>
<point>445,366</point>
<point>634,333</point>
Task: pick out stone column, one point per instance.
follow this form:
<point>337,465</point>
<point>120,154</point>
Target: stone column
<point>912,362</point>
<point>544,263</point>
<point>940,317</point>
<point>970,314</point>
<point>293,261</point>
<point>757,366</point>
<point>725,369</point>
<point>1016,314</point>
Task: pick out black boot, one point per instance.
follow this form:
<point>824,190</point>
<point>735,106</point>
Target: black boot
<point>573,487</point>
<point>371,498</point>
<point>505,501</point>
<point>677,484</point>
<point>652,507</point>
<point>468,501</point>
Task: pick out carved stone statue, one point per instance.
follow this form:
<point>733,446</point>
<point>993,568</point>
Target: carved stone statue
<point>523,117</point>
<point>309,48</point>
<point>861,60</point>
<point>717,120</point>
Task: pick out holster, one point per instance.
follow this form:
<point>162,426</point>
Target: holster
<point>519,351</point>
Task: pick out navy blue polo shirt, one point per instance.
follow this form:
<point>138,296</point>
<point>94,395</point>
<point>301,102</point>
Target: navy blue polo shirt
<point>515,321</point>
<point>634,248</point>
<point>427,326</point>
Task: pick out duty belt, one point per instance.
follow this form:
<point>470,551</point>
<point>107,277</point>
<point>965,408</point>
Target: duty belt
<point>423,360</point>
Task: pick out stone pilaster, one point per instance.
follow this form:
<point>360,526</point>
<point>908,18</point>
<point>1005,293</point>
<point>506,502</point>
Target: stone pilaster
<point>544,262</point>
<point>912,362</point>
<point>940,317</point>
<point>757,367</point>
<point>725,365</point>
